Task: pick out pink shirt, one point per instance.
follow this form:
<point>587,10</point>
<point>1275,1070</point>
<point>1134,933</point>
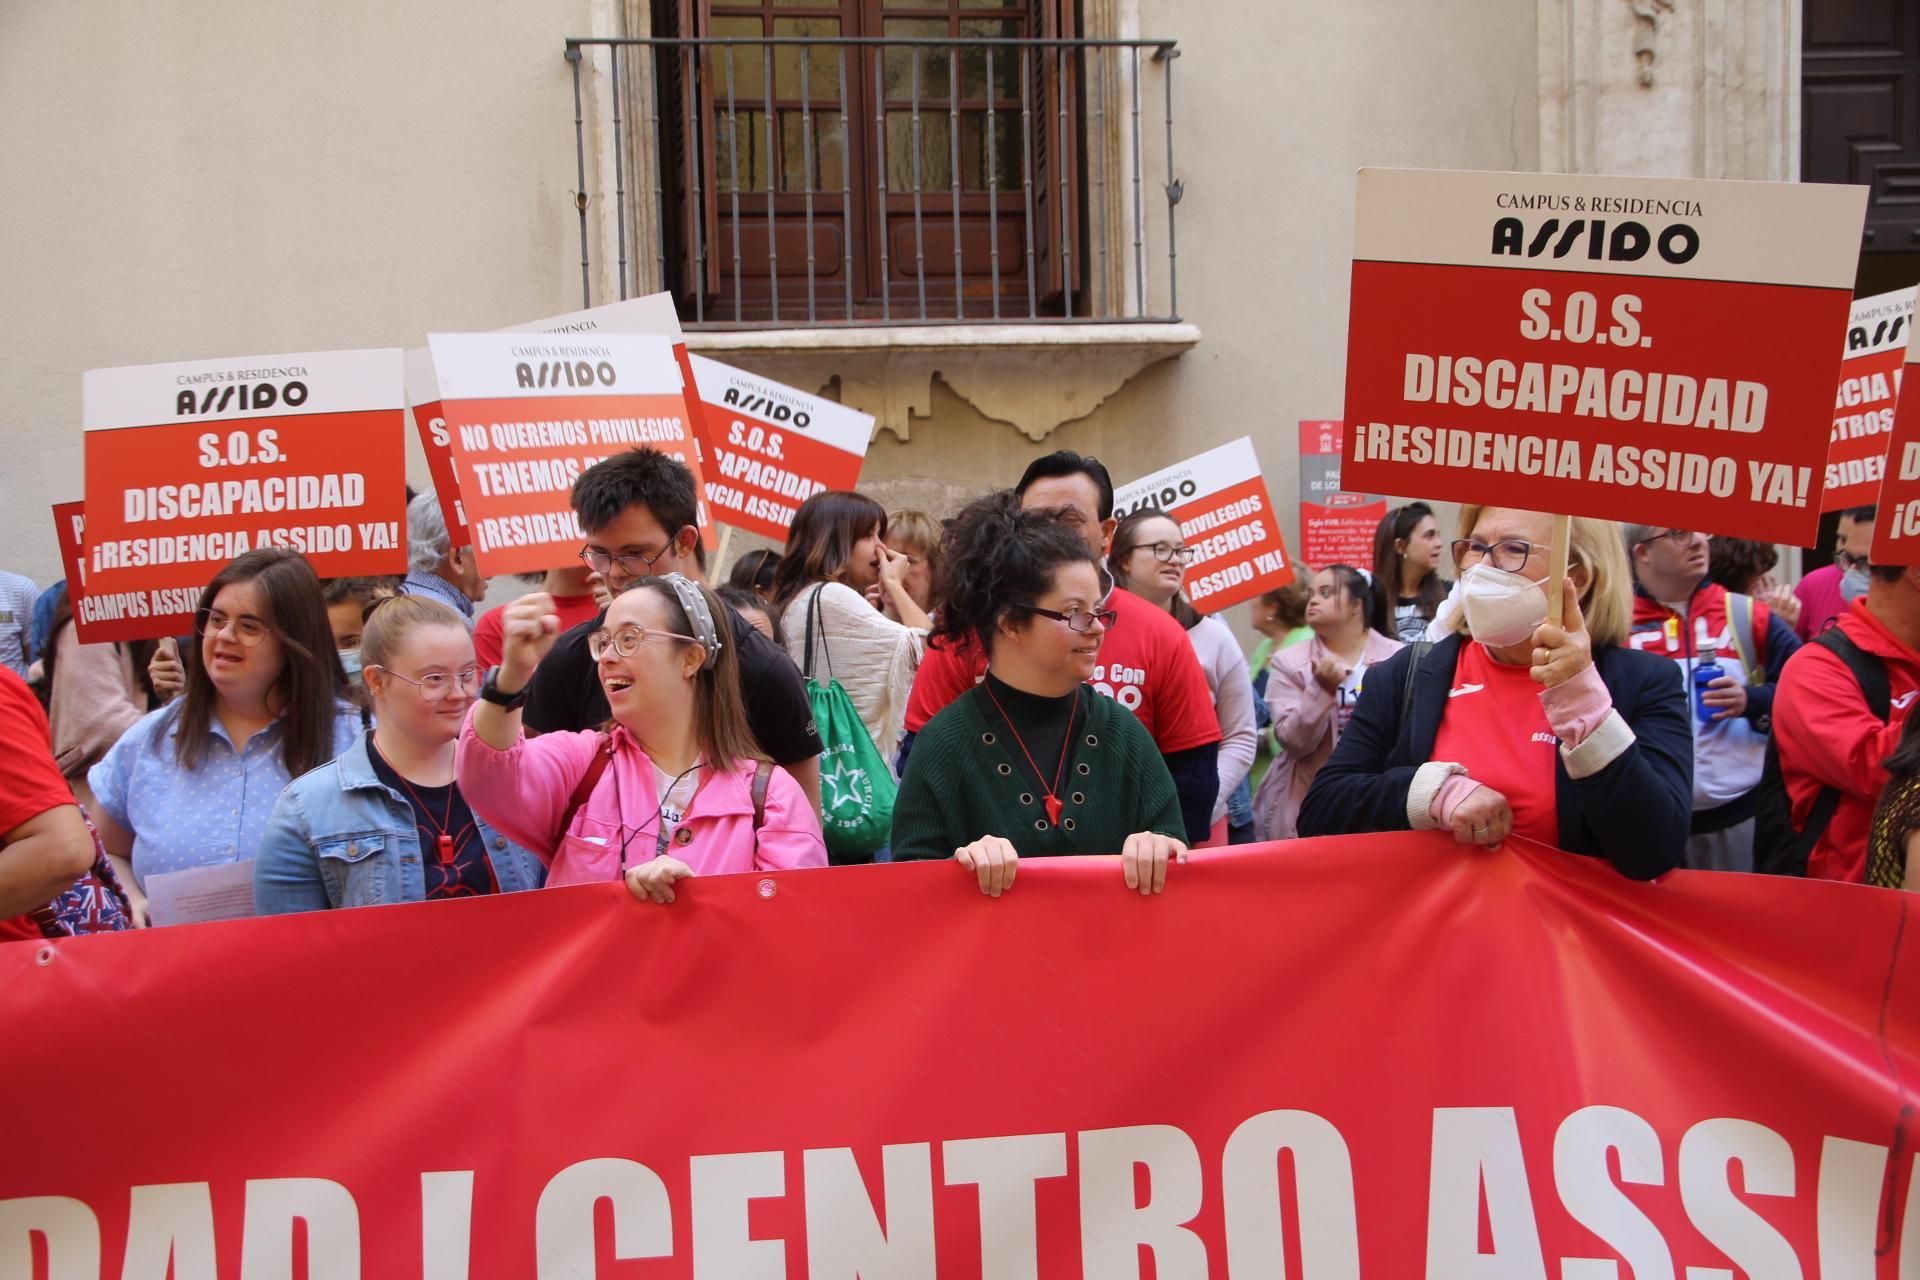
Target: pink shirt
<point>523,791</point>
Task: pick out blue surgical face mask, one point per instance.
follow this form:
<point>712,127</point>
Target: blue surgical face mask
<point>350,659</point>
<point>1853,583</point>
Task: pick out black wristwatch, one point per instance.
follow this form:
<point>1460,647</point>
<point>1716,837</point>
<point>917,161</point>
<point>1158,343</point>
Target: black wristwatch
<point>492,692</point>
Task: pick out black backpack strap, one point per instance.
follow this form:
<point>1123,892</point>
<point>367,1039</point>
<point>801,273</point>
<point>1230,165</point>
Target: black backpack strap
<point>762,775</point>
<point>1871,674</point>
<point>813,613</point>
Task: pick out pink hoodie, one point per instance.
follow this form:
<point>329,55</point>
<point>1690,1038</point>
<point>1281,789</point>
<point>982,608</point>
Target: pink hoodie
<point>523,791</point>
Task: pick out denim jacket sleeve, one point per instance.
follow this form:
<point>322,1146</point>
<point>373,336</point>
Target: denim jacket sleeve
<point>286,872</point>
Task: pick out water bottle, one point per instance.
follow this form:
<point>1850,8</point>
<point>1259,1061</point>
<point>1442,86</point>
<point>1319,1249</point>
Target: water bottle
<point>1705,672</point>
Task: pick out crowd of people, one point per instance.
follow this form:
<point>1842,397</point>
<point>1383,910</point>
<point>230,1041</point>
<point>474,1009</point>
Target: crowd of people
<point>1022,678</point>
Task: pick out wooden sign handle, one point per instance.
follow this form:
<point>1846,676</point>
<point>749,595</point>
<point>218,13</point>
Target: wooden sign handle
<point>1557,568</point>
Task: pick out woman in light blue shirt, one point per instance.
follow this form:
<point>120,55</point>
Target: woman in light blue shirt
<point>193,783</point>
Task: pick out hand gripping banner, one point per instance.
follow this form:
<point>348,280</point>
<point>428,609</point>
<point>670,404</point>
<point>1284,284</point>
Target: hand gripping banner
<point>1379,1056</point>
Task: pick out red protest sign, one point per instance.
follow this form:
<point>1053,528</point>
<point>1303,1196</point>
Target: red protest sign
<point>526,414</point>
<point>1896,534</point>
<point>652,314</point>
<point>189,465</point>
<point>1651,350</point>
<point>1336,526</point>
<point>1863,406</point>
<point>1219,499</point>
<point>1534,1067</point>
<point>101,618</point>
<point>769,447</point>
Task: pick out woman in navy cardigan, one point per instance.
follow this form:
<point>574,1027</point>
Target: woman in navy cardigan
<point>1561,734</point>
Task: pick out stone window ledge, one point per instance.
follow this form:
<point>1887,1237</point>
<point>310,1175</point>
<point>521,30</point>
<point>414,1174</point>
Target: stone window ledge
<point>1035,376</point>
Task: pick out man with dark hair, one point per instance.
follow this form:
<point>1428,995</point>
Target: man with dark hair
<point>641,514</point>
<point>1147,663</point>
<point>1830,734</point>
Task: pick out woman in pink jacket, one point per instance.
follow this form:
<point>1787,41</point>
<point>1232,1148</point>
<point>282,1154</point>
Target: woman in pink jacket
<point>1312,691</point>
<point>673,786</point>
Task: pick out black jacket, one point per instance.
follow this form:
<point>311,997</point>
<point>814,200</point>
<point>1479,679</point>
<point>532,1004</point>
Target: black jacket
<point>1634,813</point>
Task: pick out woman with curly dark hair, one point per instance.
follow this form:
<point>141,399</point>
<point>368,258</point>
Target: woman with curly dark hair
<point>1031,762</point>
<point>1746,566</point>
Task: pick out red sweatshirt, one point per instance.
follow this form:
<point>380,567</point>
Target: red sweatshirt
<point>1828,738</point>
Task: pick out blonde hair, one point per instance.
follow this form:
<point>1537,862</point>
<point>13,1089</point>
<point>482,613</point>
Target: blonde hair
<point>915,529</point>
<point>390,619</point>
<point>1607,601</point>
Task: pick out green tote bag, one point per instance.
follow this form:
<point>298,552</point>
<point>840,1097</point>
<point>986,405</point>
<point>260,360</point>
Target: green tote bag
<point>856,788</point>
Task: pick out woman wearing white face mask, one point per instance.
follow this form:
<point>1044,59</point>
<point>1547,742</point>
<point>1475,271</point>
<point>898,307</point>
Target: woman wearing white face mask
<point>1558,733</point>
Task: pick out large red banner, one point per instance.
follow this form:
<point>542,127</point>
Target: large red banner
<point>1650,350</point>
<point>1382,1056</point>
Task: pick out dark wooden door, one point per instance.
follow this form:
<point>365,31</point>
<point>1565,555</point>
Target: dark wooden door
<point>1860,110</point>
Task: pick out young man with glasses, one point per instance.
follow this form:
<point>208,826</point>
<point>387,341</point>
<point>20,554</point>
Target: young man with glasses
<point>1146,664</point>
<point>1825,593</point>
<point>640,512</point>
<point>1680,614</point>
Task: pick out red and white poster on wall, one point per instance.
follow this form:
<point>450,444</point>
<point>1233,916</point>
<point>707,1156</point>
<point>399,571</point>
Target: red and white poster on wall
<point>1336,526</point>
<point>770,447</point>
<point>1863,406</point>
<point>189,465</point>
<point>527,413</point>
<point>1651,350</point>
<point>104,617</point>
<point>1219,499</point>
<point>652,314</point>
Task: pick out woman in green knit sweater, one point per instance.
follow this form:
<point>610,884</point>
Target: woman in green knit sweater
<point>1032,762</point>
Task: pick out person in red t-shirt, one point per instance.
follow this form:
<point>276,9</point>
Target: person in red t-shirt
<point>1562,734</point>
<point>46,847</point>
<point>1147,664</point>
<point>578,594</point>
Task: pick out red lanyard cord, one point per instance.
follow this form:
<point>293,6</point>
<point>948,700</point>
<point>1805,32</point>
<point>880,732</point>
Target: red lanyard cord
<point>445,842</point>
<point>1066,749</point>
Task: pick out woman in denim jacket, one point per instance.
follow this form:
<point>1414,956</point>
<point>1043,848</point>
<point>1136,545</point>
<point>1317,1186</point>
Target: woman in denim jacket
<point>386,822</point>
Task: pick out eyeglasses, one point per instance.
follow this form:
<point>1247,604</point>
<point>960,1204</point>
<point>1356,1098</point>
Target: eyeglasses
<point>1167,552</point>
<point>1678,537</point>
<point>1848,561</point>
<point>248,630</point>
<point>1076,619</point>
<point>601,561</point>
<point>1509,554</point>
<point>437,685</point>
<point>627,641</point>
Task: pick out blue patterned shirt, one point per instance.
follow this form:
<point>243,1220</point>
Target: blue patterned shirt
<point>182,818</point>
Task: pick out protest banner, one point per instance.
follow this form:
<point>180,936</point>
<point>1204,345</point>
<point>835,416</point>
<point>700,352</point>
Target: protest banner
<point>121,615</point>
<point>1336,525</point>
<point>653,313</point>
<point>1649,350</point>
<point>191,464</point>
<point>1896,533</point>
<point>1533,1067</point>
<point>770,447</point>
<point>525,414</point>
<point>1219,500</point>
<point>1863,406</point>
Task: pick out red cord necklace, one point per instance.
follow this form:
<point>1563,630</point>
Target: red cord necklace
<point>1066,749</point>
<point>444,841</point>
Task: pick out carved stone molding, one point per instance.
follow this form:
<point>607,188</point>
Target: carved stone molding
<point>1033,377</point>
<point>1724,103</point>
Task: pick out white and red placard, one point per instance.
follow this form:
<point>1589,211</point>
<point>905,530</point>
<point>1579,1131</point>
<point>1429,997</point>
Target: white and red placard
<point>189,465</point>
<point>651,314</point>
<point>103,617</point>
<point>770,447</point>
<point>1863,406</point>
<point>1896,533</point>
<point>1219,499</point>
<point>1651,350</point>
<point>527,413</point>
<point>1336,525</point>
